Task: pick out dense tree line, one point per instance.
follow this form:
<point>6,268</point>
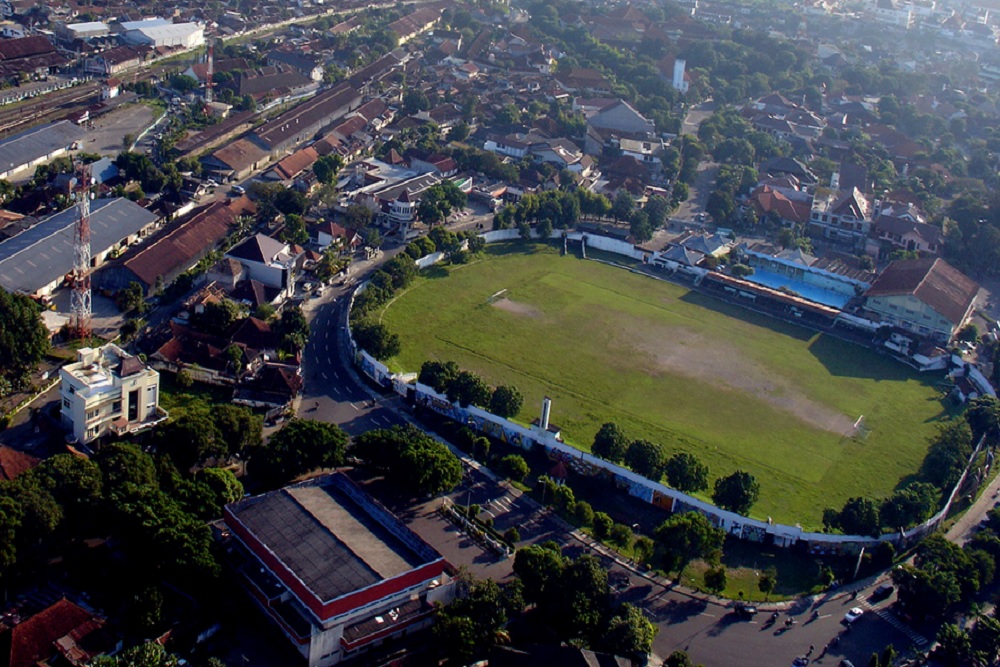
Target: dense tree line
<point>24,340</point>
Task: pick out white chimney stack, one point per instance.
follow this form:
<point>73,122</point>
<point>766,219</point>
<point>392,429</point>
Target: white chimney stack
<point>546,410</point>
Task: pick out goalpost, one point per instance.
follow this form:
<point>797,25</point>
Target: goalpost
<point>499,296</point>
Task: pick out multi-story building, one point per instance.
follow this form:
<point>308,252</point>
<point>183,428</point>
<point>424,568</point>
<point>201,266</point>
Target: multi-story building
<point>925,296</point>
<point>844,219</point>
<point>334,569</point>
<point>107,391</point>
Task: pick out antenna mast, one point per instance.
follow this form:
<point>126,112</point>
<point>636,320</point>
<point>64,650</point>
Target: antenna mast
<point>80,302</point>
<point>209,83</point>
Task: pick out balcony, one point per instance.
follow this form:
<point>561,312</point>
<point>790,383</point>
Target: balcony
<point>122,426</point>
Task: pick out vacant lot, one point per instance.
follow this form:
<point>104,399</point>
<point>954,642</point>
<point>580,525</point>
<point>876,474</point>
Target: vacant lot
<point>737,389</point>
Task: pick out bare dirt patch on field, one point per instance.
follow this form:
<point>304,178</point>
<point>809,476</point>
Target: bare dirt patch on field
<point>683,352</point>
<point>517,308</point>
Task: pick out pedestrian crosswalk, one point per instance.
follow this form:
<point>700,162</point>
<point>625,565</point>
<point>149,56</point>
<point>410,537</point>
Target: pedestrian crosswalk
<point>890,618</point>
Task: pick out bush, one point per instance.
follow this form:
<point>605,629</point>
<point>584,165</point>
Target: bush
<point>512,535</point>
<point>602,525</point>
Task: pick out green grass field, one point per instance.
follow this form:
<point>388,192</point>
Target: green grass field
<point>735,388</point>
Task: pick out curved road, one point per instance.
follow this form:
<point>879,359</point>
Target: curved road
<point>706,630</point>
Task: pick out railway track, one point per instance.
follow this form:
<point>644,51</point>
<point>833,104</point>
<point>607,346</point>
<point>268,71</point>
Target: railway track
<point>46,108</point>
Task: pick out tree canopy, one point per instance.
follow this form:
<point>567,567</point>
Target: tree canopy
<point>415,462</point>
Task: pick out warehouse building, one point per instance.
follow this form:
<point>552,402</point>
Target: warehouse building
<point>156,34</point>
<point>36,146</point>
<point>334,570</point>
<point>36,261</point>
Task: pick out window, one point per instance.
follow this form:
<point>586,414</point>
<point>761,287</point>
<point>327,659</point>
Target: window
<point>116,407</point>
<point>91,414</point>
<point>66,405</point>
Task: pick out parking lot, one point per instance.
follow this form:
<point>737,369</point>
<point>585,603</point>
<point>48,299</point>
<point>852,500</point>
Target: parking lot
<point>109,130</point>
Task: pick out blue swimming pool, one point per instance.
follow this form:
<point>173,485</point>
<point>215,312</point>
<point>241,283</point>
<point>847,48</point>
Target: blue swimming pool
<point>805,290</point>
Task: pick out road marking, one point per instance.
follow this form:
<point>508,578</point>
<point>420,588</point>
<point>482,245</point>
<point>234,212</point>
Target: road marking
<point>336,375</point>
<point>707,614</point>
<point>355,407</point>
<point>324,375</point>
<point>327,347</point>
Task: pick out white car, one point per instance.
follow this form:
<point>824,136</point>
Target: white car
<point>853,615</point>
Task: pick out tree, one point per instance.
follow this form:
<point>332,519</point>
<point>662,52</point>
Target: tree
<point>376,339</point>
<point>24,340</point>
<point>610,443</point>
<point>643,548</point>
<point>686,536</point>
<point>217,317</point>
<point>983,416</point>
<point>579,602</point>
<point>657,209</point>
<point>410,459</point>
<point>685,472</point>
<point>736,492</point>
<point>621,535</point>
<point>767,582</point>
<point>954,646</point>
<point>623,205</point>
<point>291,202</point>
<point>183,83</point>
<point>223,484</point>
<point>860,517</point>
<point>301,446</point>
<point>327,167</point>
<point>602,525</point>
<point>437,374</point>
<point>645,458</point>
<point>506,401</point>
<point>295,230</point>
<point>629,633</point>
<point>715,579</point>
<point>639,227</point>
<point>909,506</point>
<point>240,428</point>
<point>125,468</point>
<point>467,388</point>
<point>191,439</point>
<point>720,205</point>
<point>130,298</point>
<point>539,569</point>
<point>515,467</point>
<point>293,329</point>
<point>358,217</point>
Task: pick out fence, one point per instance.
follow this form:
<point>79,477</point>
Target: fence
<point>636,485</point>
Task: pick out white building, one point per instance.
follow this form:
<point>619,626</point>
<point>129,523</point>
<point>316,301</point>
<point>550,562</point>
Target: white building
<point>267,261</point>
<point>184,35</point>
<point>106,391</point>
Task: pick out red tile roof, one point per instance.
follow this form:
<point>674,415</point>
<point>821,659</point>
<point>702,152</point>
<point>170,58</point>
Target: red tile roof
<point>185,243</point>
<point>33,640</point>
<point>297,162</point>
<point>14,463</point>
<point>935,282</point>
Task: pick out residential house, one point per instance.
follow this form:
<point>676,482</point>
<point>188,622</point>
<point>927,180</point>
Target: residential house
<point>108,392</point>
<point>303,64</point>
<point>14,462</point>
<point>926,296</point>
<point>268,261</point>
<point>843,218</point>
<point>579,79</point>
<point>621,117</point>
<point>63,633</point>
<point>891,233</point>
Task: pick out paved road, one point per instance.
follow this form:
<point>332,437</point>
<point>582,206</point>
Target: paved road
<point>965,527</point>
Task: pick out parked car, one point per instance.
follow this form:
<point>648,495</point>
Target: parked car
<point>882,592</point>
<point>238,190</point>
<point>744,610</point>
<point>853,615</point>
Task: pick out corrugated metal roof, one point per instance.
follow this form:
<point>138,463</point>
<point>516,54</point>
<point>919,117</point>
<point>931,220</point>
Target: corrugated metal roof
<point>25,147</point>
<point>44,253</point>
